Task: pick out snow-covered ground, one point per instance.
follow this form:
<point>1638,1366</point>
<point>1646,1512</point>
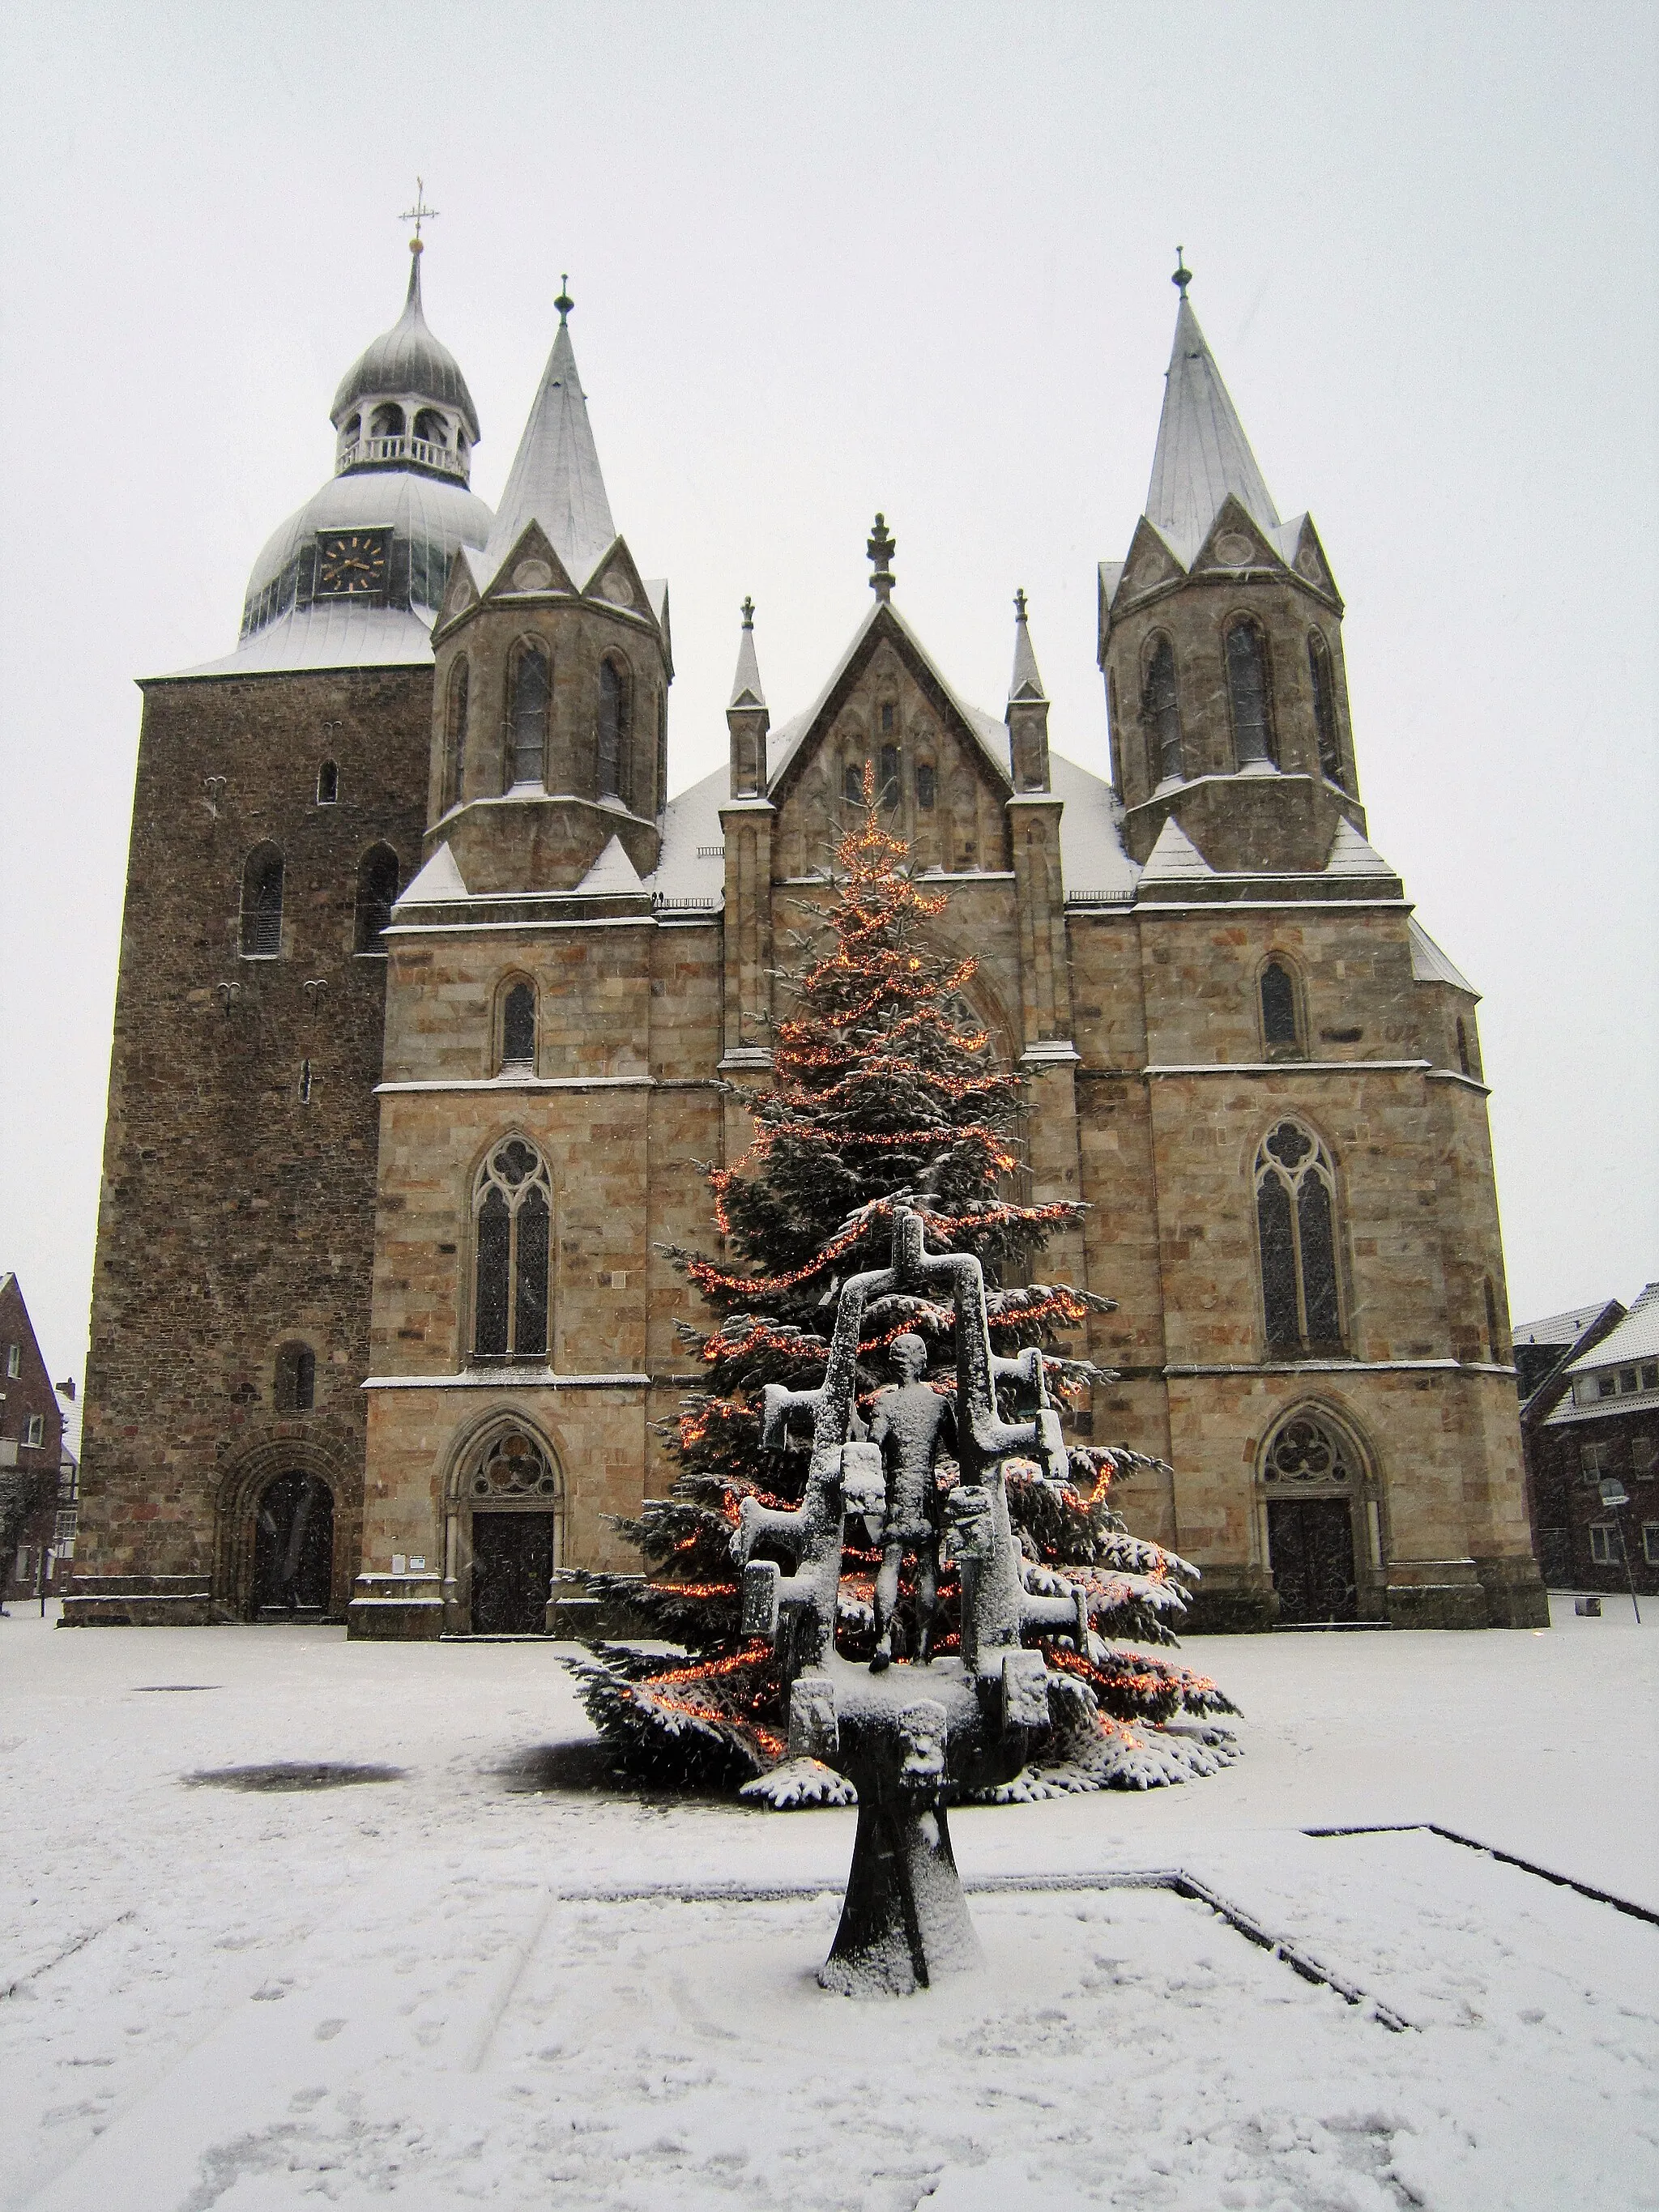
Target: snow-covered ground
<point>387,1993</point>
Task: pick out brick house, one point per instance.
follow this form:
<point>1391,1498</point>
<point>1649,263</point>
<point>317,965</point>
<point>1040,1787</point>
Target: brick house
<point>432,998</point>
<point>31,1450</point>
<point>1594,1419</point>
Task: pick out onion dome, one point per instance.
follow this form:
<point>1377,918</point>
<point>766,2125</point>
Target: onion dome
<point>403,401</point>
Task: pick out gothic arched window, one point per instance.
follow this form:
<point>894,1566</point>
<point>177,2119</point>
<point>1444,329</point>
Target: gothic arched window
<point>518,1026</point>
<point>455,733</point>
<point>1296,1219</point>
<point>328,784</point>
<point>889,776</point>
<point>377,889</point>
<point>662,751</point>
<point>926,786</point>
<point>613,731</point>
<point>1281,1032</point>
<point>1163,712</point>
<point>512,1217</point>
<point>262,903</point>
<point>531,690</point>
<point>852,783</point>
<point>1246,689</point>
<point>1324,699</point>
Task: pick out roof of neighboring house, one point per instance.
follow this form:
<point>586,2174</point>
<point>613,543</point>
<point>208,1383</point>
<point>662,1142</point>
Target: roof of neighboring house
<point>1637,1337</point>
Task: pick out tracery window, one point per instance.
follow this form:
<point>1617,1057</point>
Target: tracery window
<point>613,730</point>
<point>889,776</point>
<point>1307,1450</point>
<point>852,783</point>
<point>1324,698</point>
<point>1280,1030</point>
<point>1246,687</point>
<point>296,1379</point>
<point>377,890</point>
<point>455,730</point>
<point>515,1466</point>
<point>1163,712</point>
<point>1296,1219</point>
<point>926,786</point>
<point>518,1026</point>
<point>512,1215</point>
<point>262,903</point>
<point>531,690</point>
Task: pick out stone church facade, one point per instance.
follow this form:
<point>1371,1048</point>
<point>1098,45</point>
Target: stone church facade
<point>432,998</point>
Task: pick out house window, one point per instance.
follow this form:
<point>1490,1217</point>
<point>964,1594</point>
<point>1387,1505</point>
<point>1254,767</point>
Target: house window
<point>530,690</point>
<point>1324,698</point>
<point>1606,1549</point>
<point>328,783</point>
<point>1279,1023</point>
<point>1595,1460</point>
<point>1651,1542</point>
<point>1246,689</point>
<point>1650,1375</point>
<point>1607,1385</point>
<point>890,773</point>
<point>1627,1379</point>
<point>36,1431</point>
<point>926,786</point>
<point>377,890</point>
<point>513,1214</point>
<point>296,1379</point>
<point>518,1026</point>
<point>262,904</point>
<point>14,1360</point>
<point>1296,1217</point>
<point>1643,1455</point>
<point>455,730</point>
<point>613,730</point>
<point>1162,714</point>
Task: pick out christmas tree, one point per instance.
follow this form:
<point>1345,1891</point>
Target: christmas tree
<point>885,1088</point>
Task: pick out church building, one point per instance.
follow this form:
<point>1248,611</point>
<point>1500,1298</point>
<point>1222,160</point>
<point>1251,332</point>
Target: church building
<point>432,1000</point>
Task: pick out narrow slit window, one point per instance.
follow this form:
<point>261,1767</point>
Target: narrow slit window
<point>1164,756</point>
<point>926,786</point>
<point>518,1026</point>
<point>377,891</point>
<point>612,729</point>
<point>1279,1023</point>
<point>328,783</point>
<point>262,904</point>
<point>1493,1346</point>
<point>296,1379</point>
<point>531,693</point>
<point>1246,687</point>
<point>459,685</point>
<point>889,776</point>
<point>1324,699</point>
<point>1462,1037</point>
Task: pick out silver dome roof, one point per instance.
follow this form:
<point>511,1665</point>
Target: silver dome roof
<point>407,360</point>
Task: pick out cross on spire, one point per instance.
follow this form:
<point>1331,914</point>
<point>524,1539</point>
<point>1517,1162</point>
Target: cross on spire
<point>879,552</point>
<point>417,214</point>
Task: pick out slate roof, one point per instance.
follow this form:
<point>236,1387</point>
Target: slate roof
<point>1637,1337</point>
<point>1430,964</point>
<point>556,479</point>
<point>1202,453</point>
<point>407,360</point>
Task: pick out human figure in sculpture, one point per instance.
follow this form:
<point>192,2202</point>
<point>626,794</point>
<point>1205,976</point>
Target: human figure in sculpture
<point>907,1422</point>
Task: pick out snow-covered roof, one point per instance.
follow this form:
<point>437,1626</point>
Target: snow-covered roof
<point>1351,854</point>
<point>1026,681</point>
<point>556,479</point>
<point>1637,1337</point>
<point>690,863</point>
<point>331,634</point>
<point>1174,857</point>
<point>613,874</point>
<point>1202,453</point>
<point>1430,964</point>
<point>1561,1329</point>
<point>746,683</point>
<point>434,884</point>
<point>407,362</point>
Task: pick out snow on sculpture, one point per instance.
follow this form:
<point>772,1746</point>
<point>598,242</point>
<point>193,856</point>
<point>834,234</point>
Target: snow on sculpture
<point>905,1735</point>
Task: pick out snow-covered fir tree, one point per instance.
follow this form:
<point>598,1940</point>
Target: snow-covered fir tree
<point>884,1088</point>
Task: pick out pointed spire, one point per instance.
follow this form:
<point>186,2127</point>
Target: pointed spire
<point>555,479</point>
<point>746,683</point>
<point>1026,682</point>
<point>1202,451</point>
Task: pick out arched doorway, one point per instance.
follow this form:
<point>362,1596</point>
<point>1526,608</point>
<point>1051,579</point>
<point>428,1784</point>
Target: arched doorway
<point>515,1507</point>
<point>293,1549</point>
<point>1324,1531</point>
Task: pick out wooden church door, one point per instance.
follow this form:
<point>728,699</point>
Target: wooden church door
<point>1310,1546</point>
<point>513,1560</point>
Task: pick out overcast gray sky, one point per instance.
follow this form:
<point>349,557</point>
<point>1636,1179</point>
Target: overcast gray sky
<point>828,259</point>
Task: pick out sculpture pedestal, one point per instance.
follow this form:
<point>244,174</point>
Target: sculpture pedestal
<point>905,1921</point>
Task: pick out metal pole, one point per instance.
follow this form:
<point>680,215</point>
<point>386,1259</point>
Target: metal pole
<point>1630,1572</point>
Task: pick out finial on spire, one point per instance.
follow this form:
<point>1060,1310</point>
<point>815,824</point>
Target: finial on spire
<point>417,214</point>
<point>879,552</point>
<point>1019,605</point>
<point>748,614</point>
<point>564,303</point>
<point>1183,275</point>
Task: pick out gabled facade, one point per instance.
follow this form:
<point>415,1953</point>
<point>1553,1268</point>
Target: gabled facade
<point>1242,1050</point>
<point>1591,1428</point>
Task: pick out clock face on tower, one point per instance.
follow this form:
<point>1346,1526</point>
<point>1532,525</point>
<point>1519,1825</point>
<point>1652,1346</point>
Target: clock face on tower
<point>351,563</point>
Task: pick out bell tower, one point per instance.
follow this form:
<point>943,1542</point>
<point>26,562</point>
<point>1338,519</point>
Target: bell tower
<point>1220,638</point>
<point>549,712</point>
